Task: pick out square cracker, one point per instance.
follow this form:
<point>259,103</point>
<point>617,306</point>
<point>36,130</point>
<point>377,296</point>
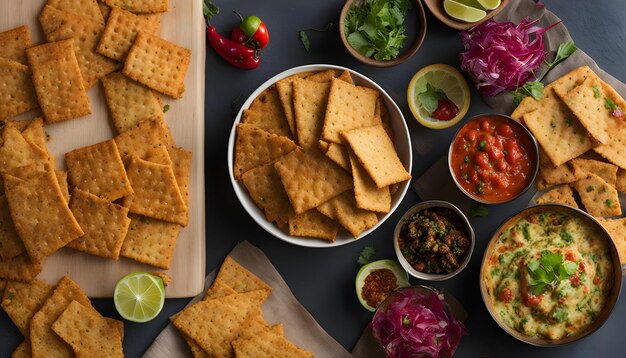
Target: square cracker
<point>150,241</point>
<point>255,147</point>
<point>22,300</point>
<point>36,136</point>
<point>58,81</point>
<point>343,209</point>
<point>617,230</point>
<point>560,134</point>
<point>620,184</point>
<point>265,188</point>
<point>23,350</point>
<point>615,150</point>
<point>16,152</point>
<point>583,167</point>
<point>105,10</point>
<point>140,6</point>
<point>181,164</point>
<point>309,103</point>
<point>10,242</point>
<point>551,175</point>
<point>46,343</point>
<point>598,196</point>
<point>19,268</point>
<point>144,137</point>
<point>156,193</point>
<point>98,169</point>
<point>268,344</point>
<point>368,196</point>
<point>13,44</point>
<point>349,107</point>
<point>323,76</point>
<point>284,88</point>
<point>375,151</point>
<point>40,214</point>
<point>313,224</point>
<point>129,102</point>
<point>266,113</point>
<point>88,333</point>
<point>120,32</point>
<point>310,178</point>
<point>17,93</point>
<point>214,323</point>
<point>239,278</point>
<point>158,64</point>
<point>563,194</point>
<point>84,8</point>
<point>105,225</point>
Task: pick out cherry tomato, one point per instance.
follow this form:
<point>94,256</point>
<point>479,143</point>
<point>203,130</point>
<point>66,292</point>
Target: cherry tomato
<point>596,280</point>
<point>571,256</point>
<point>575,280</point>
<point>256,32</point>
<point>505,130</point>
<point>446,110</point>
<point>481,159</point>
<point>531,300</point>
<point>486,127</point>
<point>505,295</point>
<point>471,135</point>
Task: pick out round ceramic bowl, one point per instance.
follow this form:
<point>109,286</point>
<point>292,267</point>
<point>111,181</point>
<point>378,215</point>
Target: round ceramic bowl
<point>402,142</point>
<point>420,32</point>
<point>527,140</point>
<point>419,207</point>
<point>617,272</point>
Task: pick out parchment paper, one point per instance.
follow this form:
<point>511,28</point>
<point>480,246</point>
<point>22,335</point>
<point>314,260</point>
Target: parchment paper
<point>281,307</point>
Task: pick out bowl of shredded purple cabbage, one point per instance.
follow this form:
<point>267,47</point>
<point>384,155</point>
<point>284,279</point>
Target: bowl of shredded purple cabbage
<point>417,322</point>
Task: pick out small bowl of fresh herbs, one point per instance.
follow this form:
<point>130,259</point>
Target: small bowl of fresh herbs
<point>382,33</point>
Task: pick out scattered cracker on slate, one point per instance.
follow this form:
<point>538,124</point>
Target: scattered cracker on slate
<point>84,8</point>
<point>156,193</point>
<point>19,268</point>
<point>349,107</point>
<point>16,151</point>
<point>375,151</point>
<point>98,169</point>
<point>17,93</point>
<point>22,300</point>
<point>105,225</point>
<point>10,243</point>
<point>239,278</point>
<point>617,230</point>
<point>562,194</point>
<point>313,224</point>
<point>120,32</point>
<point>158,64</point>
<point>58,82</point>
<point>598,196</point>
<point>255,147</point>
<point>309,103</point>
<point>338,153</point>
<point>140,140</point>
<point>140,6</point>
<point>368,196</point>
<point>266,189</point>
<point>150,241</point>
<point>266,113</point>
<point>88,333</point>
<point>40,214</point>
<point>268,344</point>
<point>284,88</point>
<point>310,178</point>
<point>13,44</point>
<point>606,171</point>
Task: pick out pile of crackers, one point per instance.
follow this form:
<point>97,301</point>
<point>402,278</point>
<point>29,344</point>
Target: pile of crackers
<point>580,123</point>
<point>59,321</point>
<point>315,153</point>
<point>127,196</point>
<point>228,321</point>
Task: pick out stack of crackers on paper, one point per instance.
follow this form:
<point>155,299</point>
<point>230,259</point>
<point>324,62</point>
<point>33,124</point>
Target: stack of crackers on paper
<point>580,123</point>
<point>59,321</point>
<point>127,196</point>
<point>228,321</point>
<point>315,153</point>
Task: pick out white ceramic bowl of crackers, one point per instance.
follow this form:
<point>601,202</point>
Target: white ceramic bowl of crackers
<point>319,156</point>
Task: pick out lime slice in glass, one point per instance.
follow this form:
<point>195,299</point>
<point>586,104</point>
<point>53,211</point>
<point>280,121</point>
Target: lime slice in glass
<point>462,12</point>
<point>489,4</point>
<point>139,296</point>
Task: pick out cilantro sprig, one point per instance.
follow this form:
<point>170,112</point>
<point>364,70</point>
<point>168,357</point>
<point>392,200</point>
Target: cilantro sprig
<point>430,98</point>
<point>366,255</point>
<point>546,272</point>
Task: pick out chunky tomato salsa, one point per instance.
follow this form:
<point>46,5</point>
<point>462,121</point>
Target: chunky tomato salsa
<point>548,275</point>
<point>492,160</point>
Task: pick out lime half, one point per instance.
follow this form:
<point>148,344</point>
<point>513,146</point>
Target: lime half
<point>139,296</point>
<point>385,267</point>
<point>462,12</point>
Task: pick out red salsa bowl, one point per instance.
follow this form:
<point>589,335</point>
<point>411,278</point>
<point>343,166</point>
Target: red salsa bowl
<point>493,158</point>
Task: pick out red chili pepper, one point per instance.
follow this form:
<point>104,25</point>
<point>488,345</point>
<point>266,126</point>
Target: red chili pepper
<point>236,54</point>
<point>238,36</point>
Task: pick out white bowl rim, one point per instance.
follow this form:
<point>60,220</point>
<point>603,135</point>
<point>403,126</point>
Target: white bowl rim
<point>255,212</point>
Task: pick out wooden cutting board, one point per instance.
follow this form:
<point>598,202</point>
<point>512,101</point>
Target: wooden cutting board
<point>183,25</point>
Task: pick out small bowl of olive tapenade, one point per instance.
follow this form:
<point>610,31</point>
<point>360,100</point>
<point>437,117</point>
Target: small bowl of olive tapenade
<point>434,240</point>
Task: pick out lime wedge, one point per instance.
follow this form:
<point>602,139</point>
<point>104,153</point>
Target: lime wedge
<point>462,12</point>
<point>489,4</point>
<point>139,296</point>
<point>471,3</point>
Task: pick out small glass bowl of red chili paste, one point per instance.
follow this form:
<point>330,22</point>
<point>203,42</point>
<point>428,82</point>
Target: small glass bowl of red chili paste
<point>493,158</point>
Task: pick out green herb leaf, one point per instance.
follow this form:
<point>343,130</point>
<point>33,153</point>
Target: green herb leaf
<point>590,188</point>
<point>430,98</point>
<point>548,271</point>
<point>533,89</point>
<point>166,108</point>
<point>479,210</point>
<point>566,236</point>
<point>596,92</point>
<point>209,9</point>
<point>609,203</point>
<point>304,38</point>
<point>559,315</point>
<point>609,104</point>
<point>366,255</point>
<point>564,51</point>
